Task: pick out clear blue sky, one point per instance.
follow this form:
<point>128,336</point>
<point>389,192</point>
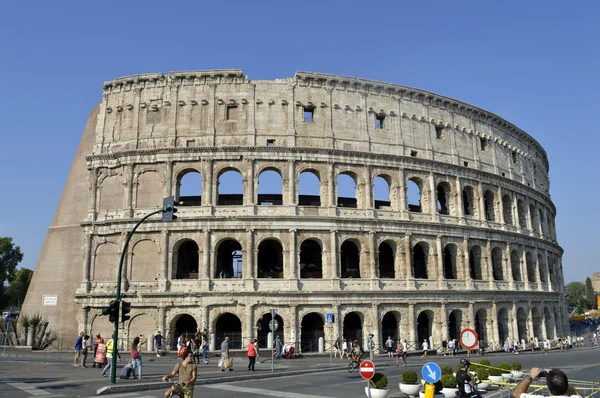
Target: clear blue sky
<point>535,63</point>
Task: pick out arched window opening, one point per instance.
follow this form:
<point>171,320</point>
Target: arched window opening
<point>424,327</point>
<point>187,261</point>
<point>352,327</point>
<point>490,214</point>
<point>350,260</point>
<point>533,218</point>
<point>481,323</point>
<point>468,201</point>
<point>229,325</point>
<point>311,331</point>
<point>420,261</point>
<point>309,189</point>
<point>475,263</point>
<point>346,191</point>
<point>530,267</point>
<point>185,325</point>
<point>507,209</point>
<point>522,324</point>
<point>549,323</point>
<point>263,329</point>
<point>389,326</point>
<point>450,262</point>
<point>270,188</point>
<point>542,269</point>
<point>382,191</point>
<point>190,189</point>
<point>311,259</point>
<point>455,324</point>
<point>270,259</point>
<point>443,198</point>
<point>550,262</point>
<point>515,264</point>
<point>543,225</point>
<point>386,261</point>
<point>538,324</point>
<point>522,214</point>
<point>503,325</point>
<point>497,264</point>
<point>414,191</point>
<point>230,189</point>
<point>229,260</point>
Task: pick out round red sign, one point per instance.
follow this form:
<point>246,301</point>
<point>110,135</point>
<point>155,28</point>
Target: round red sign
<point>469,339</point>
<point>367,369</point>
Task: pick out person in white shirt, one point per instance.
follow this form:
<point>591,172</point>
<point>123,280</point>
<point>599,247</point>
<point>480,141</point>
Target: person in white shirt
<point>425,347</point>
<point>556,382</point>
<point>546,346</point>
<point>389,343</point>
<point>451,347</point>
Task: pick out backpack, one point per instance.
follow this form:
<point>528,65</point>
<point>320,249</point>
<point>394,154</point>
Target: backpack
<point>181,352</point>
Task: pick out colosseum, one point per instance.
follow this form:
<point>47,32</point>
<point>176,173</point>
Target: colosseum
<point>401,212</point>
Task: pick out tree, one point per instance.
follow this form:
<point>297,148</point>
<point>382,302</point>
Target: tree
<point>17,289</point>
<point>590,294</point>
<point>576,296</point>
<point>10,257</point>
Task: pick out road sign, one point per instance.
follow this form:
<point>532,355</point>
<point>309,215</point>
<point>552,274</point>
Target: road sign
<point>367,369</point>
<point>329,318</point>
<point>469,339</point>
<point>431,372</point>
<point>273,325</point>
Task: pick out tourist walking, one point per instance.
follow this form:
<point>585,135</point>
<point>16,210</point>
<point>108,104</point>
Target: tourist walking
<point>136,358</point>
<point>78,345</point>
<point>158,343</point>
<point>278,347</point>
<point>252,354</point>
<point>225,354</point>
<point>389,344</point>
<point>205,351</point>
<point>110,348</point>
<point>451,347</point>
<point>87,347</point>
<point>425,347</point>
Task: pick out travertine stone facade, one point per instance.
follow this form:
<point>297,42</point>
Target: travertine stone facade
<point>476,248</point>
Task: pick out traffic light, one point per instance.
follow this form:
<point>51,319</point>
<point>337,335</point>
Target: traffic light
<point>112,311</point>
<point>169,209</point>
<point>125,309</point>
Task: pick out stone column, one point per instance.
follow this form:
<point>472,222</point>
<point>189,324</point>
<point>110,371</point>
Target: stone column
<point>87,262</point>
<point>467,263</point>
<point>332,185</point>
<point>402,198</point>
<point>440,261</point>
<point>489,275</point>
<point>460,210</point>
<point>249,182</point>
<point>444,318</point>
<point>206,250</point>
<point>292,183</point>
<point>369,197</point>
<point>500,207</point>
<point>412,336</point>
<point>248,256</point>
<point>249,325</point>
<point>408,257</point>
<point>333,267</point>
<point>162,322</point>
<point>432,198</point>
<point>508,261</point>
<point>471,315</point>
<point>93,194</point>
<point>207,183</point>
<point>375,325</point>
<point>536,261</point>
<point>515,321</point>
<point>495,326</point>
<point>292,272</point>
<point>399,259</point>
<point>373,260</point>
<point>515,206</point>
<point>169,180</point>
<point>294,336</point>
<point>480,199</point>
<point>166,253</point>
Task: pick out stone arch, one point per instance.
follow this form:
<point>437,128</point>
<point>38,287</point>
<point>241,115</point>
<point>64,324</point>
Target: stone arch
<point>100,325</point>
<point>488,205</point>
<point>145,261</point>
<point>311,259</point>
<point>347,184</point>
<point>530,267</point>
<point>542,269</point>
<point>386,259</point>
<point>311,329</point>
<point>515,264</point>
<point>106,261</point>
<point>533,218</point>
<point>481,323</point>
<point>420,255</point>
<point>522,214</point>
<point>228,325</point>
<point>522,324</point>
<point>270,187</point>
<point>543,225</point>
<point>449,260</point>
<point>309,188</point>
<point>497,260</point>
<point>444,193</point>
<point>263,328</point>
<point>230,187</point>
<point>381,190</point>
<point>414,193</point>
<point>189,187</point>
<point>507,209</point>
<point>228,259</point>
<point>503,330</point>
<point>110,192</point>
<point>148,184</point>
<point>141,325</point>
<point>549,323</point>
<point>455,319</point>
<point>185,259</point>
<point>469,205</point>
<point>269,262</point>
<point>538,324</point>
<point>353,326</point>
<point>350,259</point>
<point>424,326</point>
<point>182,324</point>
<point>475,263</point>
<point>390,325</point>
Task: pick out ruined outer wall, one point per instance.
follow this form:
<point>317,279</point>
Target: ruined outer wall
<point>58,272</point>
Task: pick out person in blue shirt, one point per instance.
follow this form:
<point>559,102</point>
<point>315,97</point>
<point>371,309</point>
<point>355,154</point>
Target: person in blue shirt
<point>78,346</point>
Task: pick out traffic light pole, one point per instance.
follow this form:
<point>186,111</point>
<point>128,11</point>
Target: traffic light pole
<point>113,368</point>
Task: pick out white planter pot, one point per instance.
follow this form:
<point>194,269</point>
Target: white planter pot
<point>507,376</point>
<point>412,390</point>
<point>377,393</point>
<point>495,379</point>
<point>449,392</point>
<point>483,386</point>
<point>517,374</point>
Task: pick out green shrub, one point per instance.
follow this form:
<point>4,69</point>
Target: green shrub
<point>379,381</point>
<point>446,370</point>
<point>438,386</point>
<point>485,362</point>
<point>495,371</point>
<point>516,366</point>
<point>409,377</point>
<point>506,367</point>
<point>457,368</point>
<point>483,374</point>
<point>448,381</point>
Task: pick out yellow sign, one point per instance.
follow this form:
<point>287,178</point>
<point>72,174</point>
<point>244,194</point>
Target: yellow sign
<point>598,301</point>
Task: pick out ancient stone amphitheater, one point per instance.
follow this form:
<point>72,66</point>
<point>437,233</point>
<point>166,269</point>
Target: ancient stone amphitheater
<point>402,212</point>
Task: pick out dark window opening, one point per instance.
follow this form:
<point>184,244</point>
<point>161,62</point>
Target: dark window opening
<point>232,112</point>
<point>311,330</point>
<point>455,324</point>
<point>270,142</point>
<point>413,154</point>
<point>439,132</point>
<point>309,114</point>
<point>530,267</point>
<point>263,329</point>
<point>389,327</point>
<point>379,121</point>
<point>480,324</point>
<point>488,204</point>
<point>507,209</point>
<point>450,262</point>
<point>185,325</point>
<point>386,261</point>
<point>466,164</point>
<point>497,264</point>
<point>467,196</point>
<point>483,142</point>
<point>514,157</point>
<point>522,214</point>
<point>475,263</point>
<point>187,261</point>
<point>503,174</point>
<point>352,328</point>
<point>350,260</point>
<point>270,259</point>
<point>229,260</point>
<point>419,262</point>
<point>503,332</point>
<point>229,325</point>
<point>515,264</point>
<point>424,328</point>
<point>311,260</point>
<point>442,199</point>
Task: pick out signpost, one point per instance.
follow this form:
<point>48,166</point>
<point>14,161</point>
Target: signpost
<point>273,325</point>
<point>367,371</point>
<point>431,373</point>
<point>329,319</point>
<point>469,339</point>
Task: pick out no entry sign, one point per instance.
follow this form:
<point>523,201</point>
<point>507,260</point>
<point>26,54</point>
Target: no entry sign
<point>367,369</point>
<point>469,338</point>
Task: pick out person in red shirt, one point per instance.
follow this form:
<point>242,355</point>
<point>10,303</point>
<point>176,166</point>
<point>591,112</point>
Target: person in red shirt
<point>252,354</point>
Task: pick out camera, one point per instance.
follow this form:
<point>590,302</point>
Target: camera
<point>543,373</point>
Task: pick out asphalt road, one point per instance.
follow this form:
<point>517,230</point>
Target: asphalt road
<point>25,377</point>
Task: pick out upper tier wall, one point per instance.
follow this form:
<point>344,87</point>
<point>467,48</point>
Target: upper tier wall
<point>224,108</point>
